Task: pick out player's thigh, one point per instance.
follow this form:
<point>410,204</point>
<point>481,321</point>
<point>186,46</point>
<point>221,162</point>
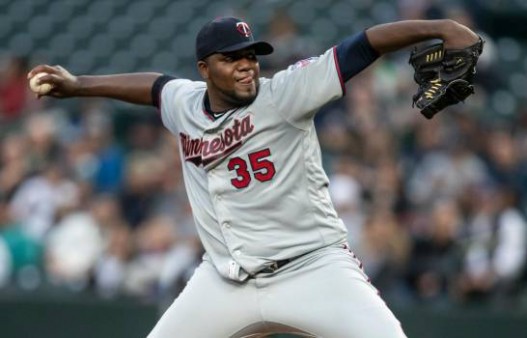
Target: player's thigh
<point>331,297</point>
<point>209,306</point>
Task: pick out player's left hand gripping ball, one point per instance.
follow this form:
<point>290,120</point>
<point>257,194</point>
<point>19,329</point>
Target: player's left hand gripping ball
<point>444,77</point>
<point>39,88</point>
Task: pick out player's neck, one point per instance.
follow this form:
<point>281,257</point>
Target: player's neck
<point>214,110</point>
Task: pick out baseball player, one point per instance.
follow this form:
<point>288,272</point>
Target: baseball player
<point>276,254</point>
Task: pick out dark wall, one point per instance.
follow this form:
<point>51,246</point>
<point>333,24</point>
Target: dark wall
<point>95,318</point>
<point>80,318</point>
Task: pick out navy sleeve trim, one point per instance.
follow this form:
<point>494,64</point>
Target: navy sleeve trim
<point>157,87</point>
<point>337,64</point>
<point>354,54</point>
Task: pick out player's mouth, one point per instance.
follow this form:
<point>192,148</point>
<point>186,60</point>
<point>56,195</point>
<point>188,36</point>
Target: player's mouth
<point>246,81</point>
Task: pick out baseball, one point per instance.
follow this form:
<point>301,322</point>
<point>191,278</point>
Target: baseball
<point>41,89</point>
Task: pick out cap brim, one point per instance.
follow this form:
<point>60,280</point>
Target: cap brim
<point>260,47</point>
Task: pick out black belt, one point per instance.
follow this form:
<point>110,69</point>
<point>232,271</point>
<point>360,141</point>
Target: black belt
<point>275,266</point>
<point>278,264</point>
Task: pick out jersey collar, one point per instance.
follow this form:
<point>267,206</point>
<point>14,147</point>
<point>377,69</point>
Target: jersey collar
<point>208,111</point>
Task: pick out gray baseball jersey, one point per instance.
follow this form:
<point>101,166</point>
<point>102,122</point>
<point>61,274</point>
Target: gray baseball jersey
<point>259,195</point>
<point>254,176</point>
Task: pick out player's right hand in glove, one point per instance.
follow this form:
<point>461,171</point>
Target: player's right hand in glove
<point>445,76</point>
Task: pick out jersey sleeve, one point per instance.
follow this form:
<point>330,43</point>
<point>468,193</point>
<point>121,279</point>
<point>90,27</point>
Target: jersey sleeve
<point>300,90</point>
<point>170,97</point>
<point>157,87</point>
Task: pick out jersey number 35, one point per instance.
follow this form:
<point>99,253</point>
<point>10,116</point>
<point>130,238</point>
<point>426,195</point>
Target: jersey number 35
<point>261,168</point>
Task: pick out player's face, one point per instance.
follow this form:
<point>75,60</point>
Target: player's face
<point>232,78</point>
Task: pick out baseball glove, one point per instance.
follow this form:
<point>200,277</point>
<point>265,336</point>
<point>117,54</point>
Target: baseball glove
<point>444,76</point>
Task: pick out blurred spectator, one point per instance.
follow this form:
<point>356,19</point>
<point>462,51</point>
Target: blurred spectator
<point>289,45</point>
<point>384,251</point>
<point>41,199</point>
<point>387,189</point>
<point>155,240</point>
<point>106,212</point>
<point>142,184</point>
<point>505,161</point>
<point>111,267</point>
<point>495,258</point>
<point>15,96</point>
<point>435,258</point>
<point>172,198</point>
<point>14,165</point>
<point>109,156</point>
<point>446,167</point>
<point>144,133</point>
<point>43,147</point>
<point>180,264</point>
<point>20,253</point>
<point>362,108</point>
<point>73,247</point>
<point>337,141</point>
<point>346,194</point>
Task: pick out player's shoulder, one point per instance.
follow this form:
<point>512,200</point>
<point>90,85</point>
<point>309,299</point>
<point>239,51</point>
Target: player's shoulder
<point>179,93</point>
<point>184,90</point>
<point>306,64</point>
<point>185,84</point>
<point>264,81</point>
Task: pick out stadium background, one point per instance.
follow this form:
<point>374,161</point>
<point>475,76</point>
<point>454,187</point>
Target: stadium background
<point>96,236</point>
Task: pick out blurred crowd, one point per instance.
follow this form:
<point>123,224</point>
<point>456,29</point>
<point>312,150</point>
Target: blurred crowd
<point>435,208</point>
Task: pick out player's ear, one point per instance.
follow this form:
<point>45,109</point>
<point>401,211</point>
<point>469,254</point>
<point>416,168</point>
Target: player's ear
<point>203,69</point>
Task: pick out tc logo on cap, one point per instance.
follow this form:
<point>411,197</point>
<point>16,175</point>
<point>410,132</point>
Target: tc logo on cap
<point>244,29</point>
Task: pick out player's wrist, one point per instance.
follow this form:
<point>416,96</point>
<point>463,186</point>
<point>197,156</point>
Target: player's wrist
<point>81,85</point>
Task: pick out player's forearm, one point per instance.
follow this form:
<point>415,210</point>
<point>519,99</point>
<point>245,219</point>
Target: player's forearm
<point>390,37</point>
<point>133,88</point>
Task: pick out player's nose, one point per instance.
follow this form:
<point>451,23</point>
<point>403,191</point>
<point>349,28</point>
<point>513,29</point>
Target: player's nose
<point>244,63</point>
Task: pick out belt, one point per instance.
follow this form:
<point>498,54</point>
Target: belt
<point>273,267</point>
<point>278,264</point>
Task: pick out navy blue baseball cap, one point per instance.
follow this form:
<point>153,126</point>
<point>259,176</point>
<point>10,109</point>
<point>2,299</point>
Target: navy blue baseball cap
<point>228,35</point>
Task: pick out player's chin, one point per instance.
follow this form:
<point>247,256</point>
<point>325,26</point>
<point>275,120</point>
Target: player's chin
<point>244,100</point>
<point>246,89</point>
<point>247,96</point>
